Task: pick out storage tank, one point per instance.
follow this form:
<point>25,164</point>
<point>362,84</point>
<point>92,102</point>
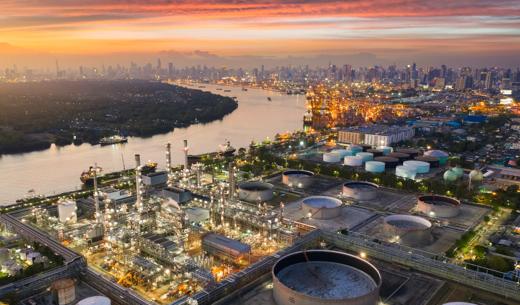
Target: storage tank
<point>386,149</point>
<point>458,171</point>
<point>342,152</point>
<point>355,148</point>
<point>439,154</point>
<point>401,156</point>
<point>376,152</point>
<point>366,147</point>
<point>420,167</point>
<point>434,161</point>
<point>409,151</point>
<point>360,190</point>
<point>458,303</point>
<point>67,211</point>
<point>96,300</point>
<point>321,207</point>
<point>331,157</point>
<point>476,175</point>
<point>405,172</point>
<point>255,191</point>
<point>353,161</point>
<point>409,230</point>
<point>375,166</point>
<point>388,161</point>
<point>4,255</point>
<point>325,277</point>
<point>297,178</point>
<point>65,290</point>
<point>438,206</point>
<point>366,156</point>
<point>450,176</point>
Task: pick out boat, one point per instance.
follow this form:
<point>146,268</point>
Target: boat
<point>112,140</point>
<point>87,177</point>
<point>269,98</point>
<point>227,90</point>
<point>226,149</point>
<point>244,89</point>
<point>219,89</point>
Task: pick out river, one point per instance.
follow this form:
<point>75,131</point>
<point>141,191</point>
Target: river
<point>57,169</point>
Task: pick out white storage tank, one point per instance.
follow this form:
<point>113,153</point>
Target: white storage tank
<point>366,156</point>
<point>255,191</point>
<point>353,161</point>
<point>386,149</point>
<point>342,152</point>
<point>438,206</point>
<point>96,300</point>
<point>405,172</point>
<point>321,207</point>
<point>355,148</point>
<point>375,166</point>
<point>67,211</point>
<point>409,230</point>
<point>331,157</point>
<point>441,155</point>
<point>297,178</point>
<point>360,190</point>
<point>420,167</point>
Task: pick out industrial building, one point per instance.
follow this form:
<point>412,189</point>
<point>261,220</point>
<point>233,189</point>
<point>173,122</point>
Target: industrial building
<point>375,135</point>
<point>225,248</point>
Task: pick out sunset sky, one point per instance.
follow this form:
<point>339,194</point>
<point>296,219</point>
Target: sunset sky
<point>385,28</point>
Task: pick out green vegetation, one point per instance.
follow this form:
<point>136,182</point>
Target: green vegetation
<point>35,115</point>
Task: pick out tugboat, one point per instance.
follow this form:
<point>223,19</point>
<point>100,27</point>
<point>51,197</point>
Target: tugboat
<point>113,140</point>
<point>269,99</point>
<point>244,89</point>
<point>87,177</point>
<point>226,149</point>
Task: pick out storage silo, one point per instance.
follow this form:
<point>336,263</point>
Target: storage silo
<point>434,161</point>
<point>375,167</point>
<point>331,157</point>
<point>325,277</point>
<point>365,156</point>
<point>476,175</point>
<point>441,155</point>
<point>409,151</point>
<point>438,206</point>
<point>376,152</point>
<point>405,172</point>
<point>355,148</point>
<point>65,290</point>
<point>342,152</point>
<point>401,156</point>
<point>360,190</point>
<point>322,207</point>
<point>255,191</point>
<point>353,161</point>
<point>420,167</point>
<point>450,176</point>
<point>409,230</point>
<point>388,161</point>
<point>458,171</point>
<point>366,147</point>
<point>385,149</point>
<point>67,211</point>
<point>297,178</point>
<point>95,300</point>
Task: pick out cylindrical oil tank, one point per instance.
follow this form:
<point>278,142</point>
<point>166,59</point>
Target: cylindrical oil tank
<point>353,161</point>
<point>409,151</point>
<point>401,156</point>
<point>441,155</point>
<point>360,190</point>
<point>4,255</point>
<point>450,176</point>
<point>476,175</point>
<point>459,171</point>
<point>376,152</point>
<point>434,161</point>
<point>96,300</point>
<point>366,156</point>
<point>438,206</point>
<point>386,149</point>
<point>405,172</point>
<point>297,178</point>
<point>366,147</point>
<point>388,161</point>
<point>409,230</point>
<point>331,157</point>
<point>65,290</point>
<point>419,166</point>
<point>355,148</point>
<point>321,207</point>
<point>67,211</point>
<point>325,277</point>
<point>342,152</point>
<point>375,166</point>
<point>255,191</point>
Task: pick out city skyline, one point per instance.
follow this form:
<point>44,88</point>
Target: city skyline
<point>36,33</point>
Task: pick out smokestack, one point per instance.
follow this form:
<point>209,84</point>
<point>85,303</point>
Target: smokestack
<point>231,180</point>
<point>138,202</point>
<point>185,155</point>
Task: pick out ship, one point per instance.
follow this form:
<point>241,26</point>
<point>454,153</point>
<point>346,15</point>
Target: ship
<point>269,98</point>
<point>87,177</point>
<point>244,89</point>
<point>226,149</point>
<point>112,140</point>
<point>227,90</point>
